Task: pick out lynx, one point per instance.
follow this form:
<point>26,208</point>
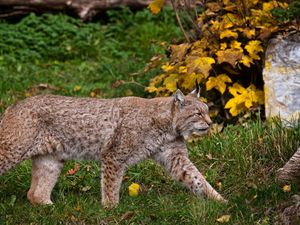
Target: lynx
<point>117,132</point>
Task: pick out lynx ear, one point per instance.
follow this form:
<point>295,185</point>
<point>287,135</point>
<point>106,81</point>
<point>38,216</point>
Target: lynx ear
<point>179,97</point>
<point>196,91</point>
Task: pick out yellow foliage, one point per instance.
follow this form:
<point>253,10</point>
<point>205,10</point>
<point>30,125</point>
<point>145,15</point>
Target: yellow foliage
<point>228,34</point>
<point>156,5</point>
<point>246,60</point>
<point>243,98</point>
<point>170,82</point>
<point>189,80</point>
<point>254,47</point>
<point>232,38</point>
<point>167,67</point>
<point>218,83</point>
<point>230,56</point>
<point>199,64</point>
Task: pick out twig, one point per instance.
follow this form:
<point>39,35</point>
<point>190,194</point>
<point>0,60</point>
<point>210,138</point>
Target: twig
<point>179,22</point>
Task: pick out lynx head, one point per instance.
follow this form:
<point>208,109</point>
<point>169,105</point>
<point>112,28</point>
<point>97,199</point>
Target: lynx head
<point>191,115</point>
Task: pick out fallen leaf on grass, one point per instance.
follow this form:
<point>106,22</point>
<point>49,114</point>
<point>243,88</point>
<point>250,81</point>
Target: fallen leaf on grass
<point>74,170</point>
<point>133,189</point>
<point>286,188</point>
<point>224,219</point>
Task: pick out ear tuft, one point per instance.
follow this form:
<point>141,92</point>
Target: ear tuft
<point>196,91</point>
<point>179,97</point>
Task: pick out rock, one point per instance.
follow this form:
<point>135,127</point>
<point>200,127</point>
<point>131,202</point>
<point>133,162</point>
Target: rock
<point>281,75</point>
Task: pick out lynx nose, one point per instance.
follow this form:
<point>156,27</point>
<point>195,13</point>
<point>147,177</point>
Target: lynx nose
<point>208,120</point>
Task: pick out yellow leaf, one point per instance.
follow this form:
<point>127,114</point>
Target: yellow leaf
<point>236,46</point>
<point>223,46</point>
<point>224,219</point>
<point>268,6</point>
<point>170,82</point>
<point>167,67</point>
<point>236,89</point>
<point>133,189</point>
<point>246,60</point>
<point>77,88</point>
<point>215,25</point>
<point>218,83</point>
<point>286,188</point>
<point>156,5</point>
<point>247,32</point>
<point>151,89</point>
<point>254,47</point>
<point>199,64</point>
<point>190,79</point>
<point>182,69</point>
<point>243,98</point>
<point>228,34</point>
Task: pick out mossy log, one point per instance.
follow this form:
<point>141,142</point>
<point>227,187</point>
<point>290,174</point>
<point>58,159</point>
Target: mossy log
<point>84,9</point>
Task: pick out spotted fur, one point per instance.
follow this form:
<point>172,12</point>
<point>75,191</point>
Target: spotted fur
<point>291,170</point>
<point>117,132</point>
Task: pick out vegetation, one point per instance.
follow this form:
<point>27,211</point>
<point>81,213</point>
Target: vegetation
<point>240,162</point>
<point>59,54</point>
<point>225,42</point>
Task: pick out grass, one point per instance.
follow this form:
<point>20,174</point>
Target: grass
<point>61,55</point>
<point>242,158</point>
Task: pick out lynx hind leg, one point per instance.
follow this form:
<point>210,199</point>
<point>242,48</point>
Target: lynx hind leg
<point>45,172</point>
<point>111,179</point>
<point>17,141</point>
<point>178,165</point>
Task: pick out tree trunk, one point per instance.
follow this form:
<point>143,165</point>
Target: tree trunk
<point>84,9</point>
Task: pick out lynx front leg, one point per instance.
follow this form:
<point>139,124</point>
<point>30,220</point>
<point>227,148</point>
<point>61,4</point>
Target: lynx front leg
<point>111,179</point>
<point>177,163</point>
<point>45,172</point>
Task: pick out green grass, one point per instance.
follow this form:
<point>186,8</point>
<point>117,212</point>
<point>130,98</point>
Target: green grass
<point>64,52</point>
<point>55,53</point>
<point>244,160</point>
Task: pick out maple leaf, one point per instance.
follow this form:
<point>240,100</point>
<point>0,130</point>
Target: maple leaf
<point>254,47</point>
<point>170,82</point>
<point>243,98</point>
<point>218,83</point>
<point>246,60</point>
<point>182,69</point>
<point>247,32</point>
<point>230,56</point>
<point>167,67</point>
<point>223,46</point>
<point>151,89</point>
<point>236,46</point>
<point>199,64</point>
<point>189,80</point>
<point>133,189</point>
<point>156,5</point>
<point>228,34</point>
